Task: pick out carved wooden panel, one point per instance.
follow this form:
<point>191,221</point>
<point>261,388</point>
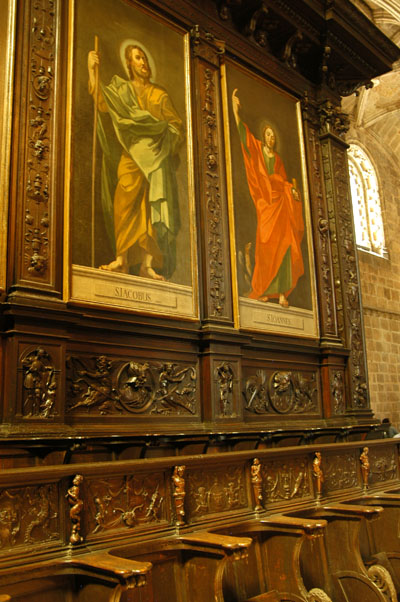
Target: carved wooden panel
<point>134,502</point>
<point>39,389</point>
<point>340,471</point>
<point>226,389</point>
<point>28,516</point>
<point>280,392</point>
<point>7,48</point>
<point>285,479</point>
<point>101,385</point>
<point>213,491</point>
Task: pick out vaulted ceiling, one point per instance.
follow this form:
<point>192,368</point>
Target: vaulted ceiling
<point>378,109</point>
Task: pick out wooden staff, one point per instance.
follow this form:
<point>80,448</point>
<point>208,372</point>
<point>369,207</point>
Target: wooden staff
<point>94,142</point>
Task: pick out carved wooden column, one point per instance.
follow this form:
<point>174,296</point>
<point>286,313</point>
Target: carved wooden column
<point>332,349</point>
<point>220,368</point>
<point>333,124</point>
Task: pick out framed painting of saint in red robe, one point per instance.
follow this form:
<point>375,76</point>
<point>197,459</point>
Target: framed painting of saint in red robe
<point>269,207</point>
<point>130,182</point>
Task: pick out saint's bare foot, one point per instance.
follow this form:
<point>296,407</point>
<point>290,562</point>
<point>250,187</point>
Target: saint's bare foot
<point>264,298</point>
<point>148,272</point>
<point>115,266</point>
<point>283,301</point>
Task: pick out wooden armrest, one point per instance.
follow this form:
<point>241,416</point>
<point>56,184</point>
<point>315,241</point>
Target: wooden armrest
<point>310,526</point>
<point>368,512</point>
<point>228,543</point>
<point>104,563</point>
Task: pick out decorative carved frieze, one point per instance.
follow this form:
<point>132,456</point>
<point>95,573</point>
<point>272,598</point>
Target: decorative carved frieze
<point>104,386</point>
<point>28,515</point>
<point>281,392</point>
<point>214,491</point>
<point>131,501</point>
<point>285,480</point>
<point>340,472</point>
<point>39,384</point>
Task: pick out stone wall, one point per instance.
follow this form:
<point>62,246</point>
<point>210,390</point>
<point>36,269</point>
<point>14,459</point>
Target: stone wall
<point>380,286</point>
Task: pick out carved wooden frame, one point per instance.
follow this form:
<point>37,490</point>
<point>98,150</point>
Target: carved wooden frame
<point>250,313</point>
<point>7,43</point>
<point>126,291</point>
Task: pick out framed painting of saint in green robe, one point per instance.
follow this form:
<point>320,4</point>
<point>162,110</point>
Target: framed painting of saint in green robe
<point>130,184</point>
<point>269,207</point>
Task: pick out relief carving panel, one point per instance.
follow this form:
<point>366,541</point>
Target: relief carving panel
<point>28,515</point>
<point>216,491</point>
<point>340,471</point>
<point>281,392</point>
<point>104,386</point>
<point>383,466</point>
<point>125,502</point>
<point>285,480</point>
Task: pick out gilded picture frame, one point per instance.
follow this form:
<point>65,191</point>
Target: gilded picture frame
<point>129,169</point>
<point>270,228</point>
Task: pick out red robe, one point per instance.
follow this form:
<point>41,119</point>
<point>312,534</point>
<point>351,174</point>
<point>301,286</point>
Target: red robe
<point>280,223</point>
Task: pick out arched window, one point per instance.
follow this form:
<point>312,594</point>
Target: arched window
<point>366,202</point>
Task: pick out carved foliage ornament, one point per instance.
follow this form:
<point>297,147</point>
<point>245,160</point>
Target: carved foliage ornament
<point>104,386</point>
<point>282,393</point>
<point>39,385</point>
<point>39,133</point>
